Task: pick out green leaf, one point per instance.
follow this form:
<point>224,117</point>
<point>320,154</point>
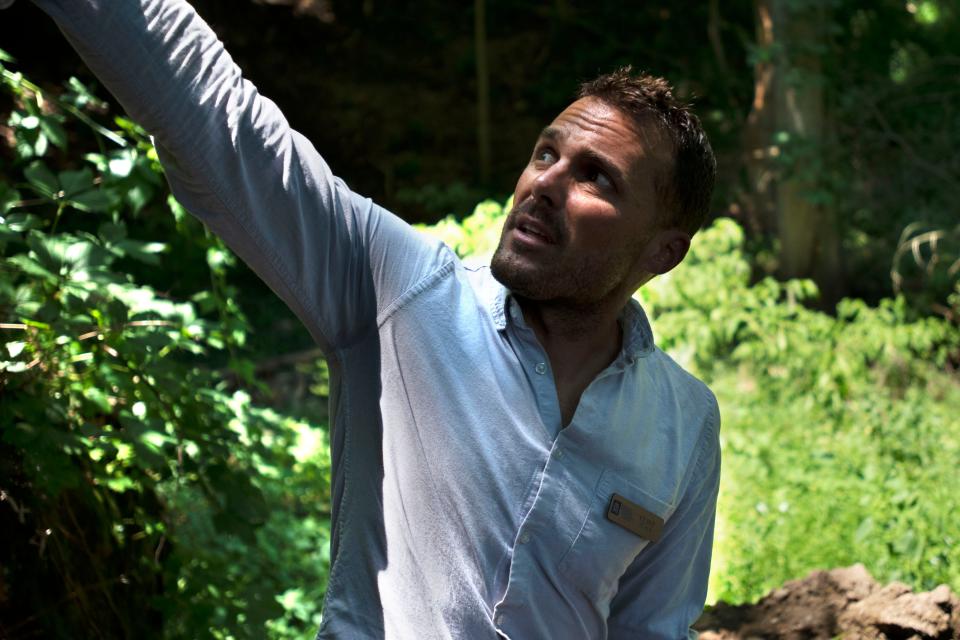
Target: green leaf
<point>8,196</point>
<point>32,267</point>
<point>179,213</point>
<point>15,348</point>
<point>143,251</point>
<point>98,160</point>
<point>42,179</point>
<point>54,131</point>
<point>98,398</point>
<point>41,145</point>
<point>14,366</point>
<point>23,147</point>
<point>27,122</point>
<point>121,484</point>
<point>56,252</point>
<point>6,57</point>
<point>120,167</point>
<point>98,201</point>
<point>74,182</point>
<point>138,196</point>
<point>111,232</point>
<point>81,94</point>
<point>20,221</point>
<point>864,530</point>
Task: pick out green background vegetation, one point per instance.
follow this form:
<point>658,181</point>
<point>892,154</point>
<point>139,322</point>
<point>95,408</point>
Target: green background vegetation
<point>165,473</point>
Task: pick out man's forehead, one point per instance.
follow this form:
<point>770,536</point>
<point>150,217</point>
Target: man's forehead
<point>600,124</point>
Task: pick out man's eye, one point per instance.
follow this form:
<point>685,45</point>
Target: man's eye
<point>599,177</point>
<point>545,155</point>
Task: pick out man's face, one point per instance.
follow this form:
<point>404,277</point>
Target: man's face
<point>585,213</point>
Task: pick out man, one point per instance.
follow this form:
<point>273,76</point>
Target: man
<point>513,457</point>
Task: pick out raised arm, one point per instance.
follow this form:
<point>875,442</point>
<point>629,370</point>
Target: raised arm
<point>232,159</point>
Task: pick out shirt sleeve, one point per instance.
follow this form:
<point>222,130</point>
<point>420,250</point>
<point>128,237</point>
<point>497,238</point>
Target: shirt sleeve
<point>231,158</point>
<point>663,591</point>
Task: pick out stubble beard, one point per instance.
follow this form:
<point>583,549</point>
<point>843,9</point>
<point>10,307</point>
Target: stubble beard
<point>576,284</point>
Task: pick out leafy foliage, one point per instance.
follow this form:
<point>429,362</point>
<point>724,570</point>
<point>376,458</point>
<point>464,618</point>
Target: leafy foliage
<point>840,432</point>
<point>142,490</point>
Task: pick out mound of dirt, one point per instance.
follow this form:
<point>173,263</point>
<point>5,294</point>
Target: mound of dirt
<point>846,603</point>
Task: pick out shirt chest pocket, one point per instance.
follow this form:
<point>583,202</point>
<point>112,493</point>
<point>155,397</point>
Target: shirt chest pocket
<point>602,550</point>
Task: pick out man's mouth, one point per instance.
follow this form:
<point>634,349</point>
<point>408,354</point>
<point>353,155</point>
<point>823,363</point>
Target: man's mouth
<point>532,231</point>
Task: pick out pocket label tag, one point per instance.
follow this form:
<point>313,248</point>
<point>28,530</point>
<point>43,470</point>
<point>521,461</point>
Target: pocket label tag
<point>634,518</point>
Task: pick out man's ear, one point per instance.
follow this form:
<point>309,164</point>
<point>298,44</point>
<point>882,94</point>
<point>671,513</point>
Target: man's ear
<point>668,249</point>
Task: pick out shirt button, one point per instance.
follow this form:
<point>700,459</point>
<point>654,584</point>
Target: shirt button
<point>499,619</point>
<point>558,454</point>
<point>524,538</point>
<point>541,368</point>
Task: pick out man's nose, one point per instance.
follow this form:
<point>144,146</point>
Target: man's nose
<point>551,184</point>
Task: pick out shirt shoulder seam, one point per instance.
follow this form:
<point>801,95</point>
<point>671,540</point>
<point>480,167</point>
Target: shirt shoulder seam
<point>415,290</point>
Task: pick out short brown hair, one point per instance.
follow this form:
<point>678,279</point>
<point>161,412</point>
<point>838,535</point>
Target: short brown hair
<point>684,193</point>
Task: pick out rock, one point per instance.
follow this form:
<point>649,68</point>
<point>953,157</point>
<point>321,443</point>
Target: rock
<point>844,602</point>
<point>896,612</point>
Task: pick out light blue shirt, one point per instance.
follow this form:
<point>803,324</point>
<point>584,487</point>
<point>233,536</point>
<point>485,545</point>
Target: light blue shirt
<point>461,508</point>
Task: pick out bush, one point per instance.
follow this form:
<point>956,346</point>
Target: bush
<point>143,493</point>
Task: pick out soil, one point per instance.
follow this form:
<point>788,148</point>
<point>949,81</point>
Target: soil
<point>841,603</point>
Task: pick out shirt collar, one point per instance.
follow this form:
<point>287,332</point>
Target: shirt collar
<point>637,334</point>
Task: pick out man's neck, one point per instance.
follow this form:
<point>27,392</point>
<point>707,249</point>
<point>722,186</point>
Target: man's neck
<point>580,343</point>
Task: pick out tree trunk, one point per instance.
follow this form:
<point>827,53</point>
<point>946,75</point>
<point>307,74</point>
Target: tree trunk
<point>483,89</point>
<point>759,199</point>
<point>784,141</point>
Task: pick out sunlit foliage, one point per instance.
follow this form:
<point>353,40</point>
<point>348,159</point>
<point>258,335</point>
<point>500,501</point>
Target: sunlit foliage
<point>143,493</point>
